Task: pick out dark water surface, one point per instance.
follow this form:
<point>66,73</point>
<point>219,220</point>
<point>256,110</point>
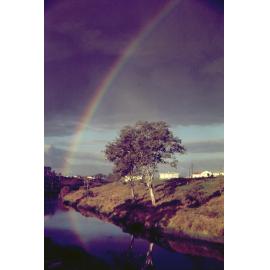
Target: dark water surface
<point>73,241</point>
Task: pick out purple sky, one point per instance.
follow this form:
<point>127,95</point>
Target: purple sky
<point>176,74</point>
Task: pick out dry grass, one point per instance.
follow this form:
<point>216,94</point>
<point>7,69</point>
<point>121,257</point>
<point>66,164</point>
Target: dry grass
<point>106,198</point>
<point>203,222</point>
<point>74,196</point>
<point>194,209</point>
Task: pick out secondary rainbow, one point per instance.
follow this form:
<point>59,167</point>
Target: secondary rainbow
<point>108,79</point>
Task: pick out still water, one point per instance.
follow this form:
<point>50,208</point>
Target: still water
<point>73,241</point>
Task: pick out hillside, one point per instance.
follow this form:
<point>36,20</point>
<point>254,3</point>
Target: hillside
<point>185,208</point>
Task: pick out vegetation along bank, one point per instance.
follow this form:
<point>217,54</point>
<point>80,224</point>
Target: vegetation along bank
<point>185,208</point>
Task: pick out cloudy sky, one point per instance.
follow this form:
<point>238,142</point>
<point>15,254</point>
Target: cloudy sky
<point>175,74</point>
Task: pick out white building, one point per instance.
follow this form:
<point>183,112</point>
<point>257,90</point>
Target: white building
<point>215,174</point>
<point>134,178</point>
<point>168,175</point>
<point>202,174</point>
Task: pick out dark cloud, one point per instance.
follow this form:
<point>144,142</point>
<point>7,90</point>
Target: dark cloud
<point>56,157</point>
<point>59,127</point>
<point>210,164</point>
<point>92,169</point>
<point>205,147</point>
<point>94,142</point>
<point>89,157</point>
<point>176,74</point>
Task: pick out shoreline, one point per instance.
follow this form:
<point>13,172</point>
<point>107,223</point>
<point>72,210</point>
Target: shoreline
<point>181,244</point>
<point>184,211</point>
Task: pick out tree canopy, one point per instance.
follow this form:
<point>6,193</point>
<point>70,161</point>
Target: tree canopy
<point>140,148</point>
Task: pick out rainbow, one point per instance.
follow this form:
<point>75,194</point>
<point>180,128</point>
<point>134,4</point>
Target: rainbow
<point>110,76</point>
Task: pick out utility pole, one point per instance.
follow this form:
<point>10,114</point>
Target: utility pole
<point>221,168</point>
<point>190,170</point>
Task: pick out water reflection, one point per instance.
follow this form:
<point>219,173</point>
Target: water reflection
<point>149,261</point>
<point>73,241</point>
<point>129,259</point>
<point>50,207</point>
<point>70,257</point>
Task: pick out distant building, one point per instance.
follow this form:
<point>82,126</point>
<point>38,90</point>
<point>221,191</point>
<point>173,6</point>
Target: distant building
<point>215,174</point>
<point>202,174</point>
<point>134,178</point>
<point>168,175</point>
<point>88,178</point>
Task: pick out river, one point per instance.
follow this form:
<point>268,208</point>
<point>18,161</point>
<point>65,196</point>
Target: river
<point>73,241</point>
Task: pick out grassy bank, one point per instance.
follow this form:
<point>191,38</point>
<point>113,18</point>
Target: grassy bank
<point>189,209</point>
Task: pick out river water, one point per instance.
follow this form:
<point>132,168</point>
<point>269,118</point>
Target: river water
<point>73,241</point>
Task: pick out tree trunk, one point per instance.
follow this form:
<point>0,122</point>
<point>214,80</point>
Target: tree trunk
<point>131,242</point>
<point>148,259</point>
<point>132,193</point>
<point>149,175</point>
<point>152,195</point>
<point>132,190</point>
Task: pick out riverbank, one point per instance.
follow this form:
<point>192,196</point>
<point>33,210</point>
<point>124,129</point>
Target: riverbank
<point>185,209</point>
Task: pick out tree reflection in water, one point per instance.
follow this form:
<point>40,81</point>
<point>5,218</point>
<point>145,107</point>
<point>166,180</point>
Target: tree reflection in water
<point>149,260</point>
<point>130,260</point>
